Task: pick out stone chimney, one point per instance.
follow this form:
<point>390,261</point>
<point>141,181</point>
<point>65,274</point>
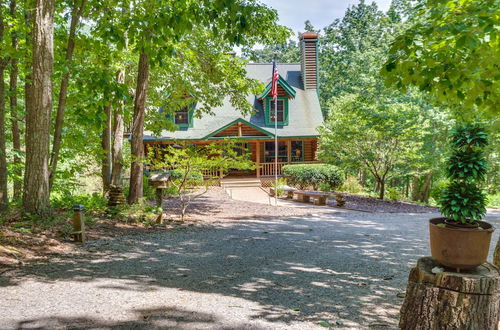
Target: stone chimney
<point>309,59</point>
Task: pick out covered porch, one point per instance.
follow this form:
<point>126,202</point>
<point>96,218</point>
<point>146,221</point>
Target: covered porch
<point>262,153</point>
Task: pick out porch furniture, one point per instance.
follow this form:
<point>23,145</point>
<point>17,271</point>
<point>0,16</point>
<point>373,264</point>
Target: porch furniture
<point>319,198</point>
<point>286,189</point>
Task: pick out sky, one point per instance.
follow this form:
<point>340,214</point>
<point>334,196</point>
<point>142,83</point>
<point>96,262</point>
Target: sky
<point>293,13</point>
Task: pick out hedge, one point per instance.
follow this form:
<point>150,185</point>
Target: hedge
<point>304,175</point>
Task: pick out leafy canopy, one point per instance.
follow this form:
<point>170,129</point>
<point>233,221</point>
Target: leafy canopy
<point>452,52</point>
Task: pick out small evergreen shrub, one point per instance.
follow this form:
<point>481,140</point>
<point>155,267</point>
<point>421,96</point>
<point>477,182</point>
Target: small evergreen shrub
<point>463,200</point>
<point>304,175</point>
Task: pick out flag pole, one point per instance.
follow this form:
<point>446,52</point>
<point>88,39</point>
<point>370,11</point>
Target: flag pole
<point>275,143</point>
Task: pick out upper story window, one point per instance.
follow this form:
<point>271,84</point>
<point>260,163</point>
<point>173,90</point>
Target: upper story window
<point>184,117</point>
<point>281,113</point>
<point>280,110</point>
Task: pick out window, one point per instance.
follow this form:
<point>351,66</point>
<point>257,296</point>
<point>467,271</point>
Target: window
<point>297,151</point>
<point>269,152</point>
<point>182,117</point>
<point>242,149</point>
<point>281,111</point>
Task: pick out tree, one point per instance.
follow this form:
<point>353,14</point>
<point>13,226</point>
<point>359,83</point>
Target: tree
<point>76,14</point>
<point>379,137</point>
<point>4,199</point>
<point>451,52</point>
<point>287,52</point>
<point>36,178</point>
<point>193,166</point>
<point>236,22</point>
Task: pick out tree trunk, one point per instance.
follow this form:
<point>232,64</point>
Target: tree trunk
<point>16,132</point>
<point>106,148</point>
<point>469,300</point>
<point>496,255</point>
<point>137,147</point>
<point>382,188</point>
<point>36,178</point>
<point>117,165</point>
<point>63,91</point>
<point>415,188</point>
<point>4,197</point>
<point>424,192</point>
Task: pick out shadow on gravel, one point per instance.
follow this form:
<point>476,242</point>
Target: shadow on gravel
<point>348,271</point>
<point>157,318</point>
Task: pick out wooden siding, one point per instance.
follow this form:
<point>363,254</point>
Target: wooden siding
<point>309,59</point>
<point>240,129</point>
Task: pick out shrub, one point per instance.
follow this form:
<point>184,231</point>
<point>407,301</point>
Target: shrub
<point>303,175</point>
<point>463,200</point>
<point>91,202</point>
<point>351,185</point>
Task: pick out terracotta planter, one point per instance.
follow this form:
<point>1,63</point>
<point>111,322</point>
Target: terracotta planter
<point>461,248</point>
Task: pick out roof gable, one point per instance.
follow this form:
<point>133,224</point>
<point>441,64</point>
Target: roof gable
<point>239,128</point>
<point>282,82</point>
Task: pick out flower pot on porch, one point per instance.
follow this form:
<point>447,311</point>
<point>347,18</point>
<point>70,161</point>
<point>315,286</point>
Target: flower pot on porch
<point>460,248</point>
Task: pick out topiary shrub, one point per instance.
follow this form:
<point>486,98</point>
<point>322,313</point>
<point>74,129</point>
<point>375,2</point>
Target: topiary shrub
<point>305,175</point>
<point>463,200</point>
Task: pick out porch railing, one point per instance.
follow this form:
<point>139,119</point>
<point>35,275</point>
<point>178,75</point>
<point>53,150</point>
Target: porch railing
<point>268,169</point>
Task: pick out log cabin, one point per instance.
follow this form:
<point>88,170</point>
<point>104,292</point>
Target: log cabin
<point>298,117</point>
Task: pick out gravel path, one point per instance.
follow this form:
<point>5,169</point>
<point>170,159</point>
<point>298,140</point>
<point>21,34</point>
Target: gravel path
<point>343,268</point>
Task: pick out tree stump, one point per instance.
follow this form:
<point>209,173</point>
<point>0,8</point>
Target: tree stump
<point>448,300</point>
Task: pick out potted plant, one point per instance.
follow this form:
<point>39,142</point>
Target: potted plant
<point>460,239</point>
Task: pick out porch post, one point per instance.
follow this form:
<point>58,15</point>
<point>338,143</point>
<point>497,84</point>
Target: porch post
<point>257,157</point>
<point>289,151</point>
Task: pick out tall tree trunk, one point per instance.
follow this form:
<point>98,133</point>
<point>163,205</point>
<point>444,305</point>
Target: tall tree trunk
<point>382,188</point>
<point>36,178</point>
<point>16,132</point>
<point>137,151</point>
<point>117,165</point>
<point>424,192</point>
<point>415,188</point>
<point>4,198</point>
<point>63,91</point>
<point>106,148</point>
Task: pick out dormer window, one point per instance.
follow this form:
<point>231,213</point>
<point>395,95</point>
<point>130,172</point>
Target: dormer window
<point>184,117</point>
<point>282,111</point>
<point>285,92</point>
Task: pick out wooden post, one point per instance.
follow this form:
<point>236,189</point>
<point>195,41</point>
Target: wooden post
<point>257,157</point>
<point>289,151</point>
<point>448,300</point>
<point>78,224</point>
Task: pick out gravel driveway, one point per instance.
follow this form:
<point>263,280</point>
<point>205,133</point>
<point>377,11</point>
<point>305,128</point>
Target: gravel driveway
<point>341,269</point>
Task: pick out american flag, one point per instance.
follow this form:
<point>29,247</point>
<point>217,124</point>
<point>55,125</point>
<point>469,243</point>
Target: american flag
<point>276,76</point>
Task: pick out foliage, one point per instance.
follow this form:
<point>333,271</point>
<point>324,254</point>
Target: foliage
<point>463,200</point>
<point>493,200</point>
<point>279,186</point>
<point>141,212</point>
<point>351,185</point>
<point>91,202</point>
<point>305,175</point>
<point>287,52</point>
<point>193,166</point>
<point>379,137</point>
<point>451,51</point>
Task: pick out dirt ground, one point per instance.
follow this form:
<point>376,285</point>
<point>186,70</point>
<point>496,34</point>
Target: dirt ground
<point>216,206</point>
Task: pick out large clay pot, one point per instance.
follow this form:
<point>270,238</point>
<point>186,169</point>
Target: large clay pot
<point>460,248</point>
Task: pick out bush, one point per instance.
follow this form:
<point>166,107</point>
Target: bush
<point>303,175</point>
<point>463,199</point>
<point>91,202</point>
<point>351,185</point>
